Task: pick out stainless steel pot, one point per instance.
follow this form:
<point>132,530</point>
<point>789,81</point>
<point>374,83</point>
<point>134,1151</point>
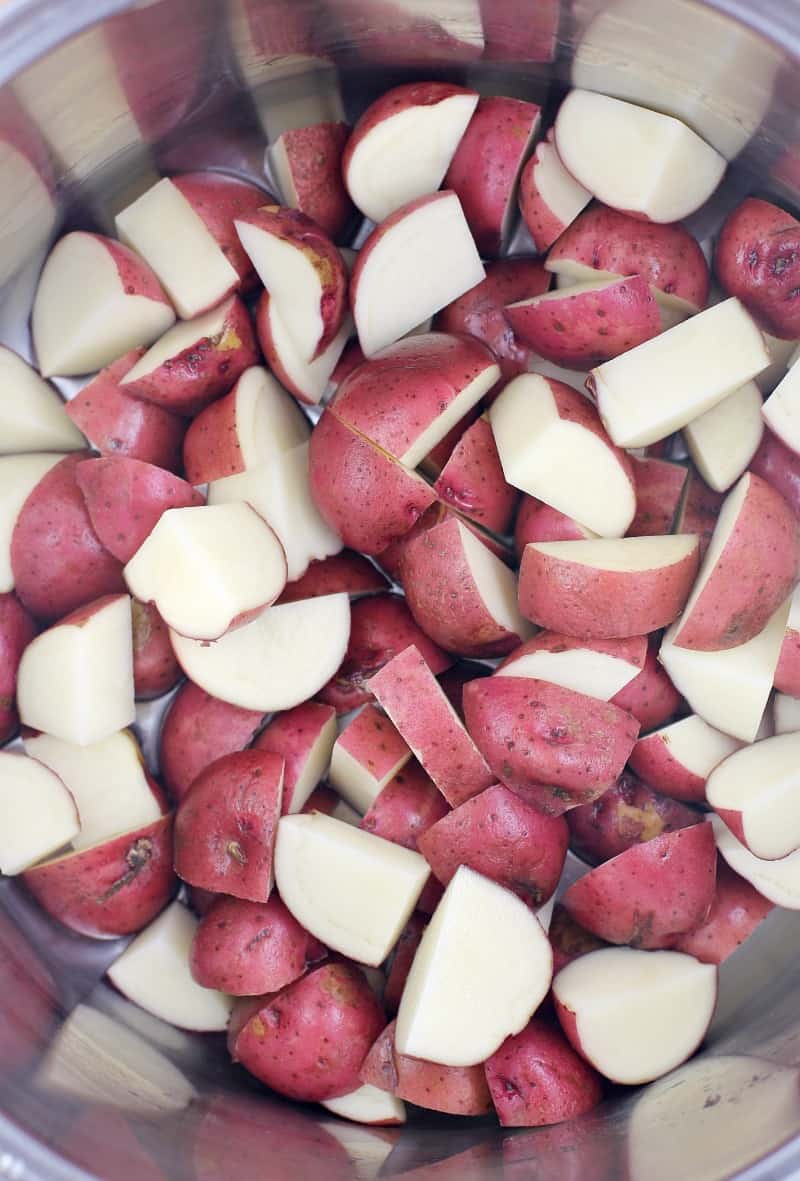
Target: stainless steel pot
<point>98,97</point>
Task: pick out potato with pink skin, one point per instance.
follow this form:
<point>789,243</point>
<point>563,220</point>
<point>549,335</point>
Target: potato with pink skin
<point>651,697</point>
<point>756,259</point>
<point>599,668</point>
<point>651,892</point>
<point>332,1006</point>
<point>225,827</point>
<point>628,814</point>
<point>155,667</point>
<point>454,679</point>
<point>698,510</point>
<point>366,756</point>
<point>549,198</point>
<point>787,674</point>
<point>307,164</point>
<point>111,889</point>
<point>306,381</point>
<point>472,480</point>
<point>754,792</point>
<point>555,748</point>
<point>219,200</point>
<point>249,948</point>
<point>569,939</point>
<point>126,497</point>
<point>537,521</point>
<point>303,737</point>
<point>536,1078</point>
<point>485,169</point>
<point>365,497</point>
<point>455,1090</point>
<point>500,836</point>
<point>402,957</point>
<point>659,488</point>
<point>588,323</point>
<point>678,758</point>
<point>17,629</point>
<point>735,913</point>
<point>347,571</point>
<point>780,467</point>
<point>406,808</point>
<point>59,563</point>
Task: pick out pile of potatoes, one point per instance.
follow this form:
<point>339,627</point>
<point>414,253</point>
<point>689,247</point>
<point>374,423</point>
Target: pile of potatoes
<point>448,574</point>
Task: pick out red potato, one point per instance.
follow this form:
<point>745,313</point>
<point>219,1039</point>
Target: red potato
<point>199,729</point>
<point>549,198</point>
<point>380,628</point>
<point>332,1006</point>
<point>219,201</point>
<point>125,499</point>
<point>303,737</point>
<point>472,480</point>
<point>780,467</point>
<point>480,312</point>
<point>351,358</point>
<point>196,361</point>
<point>308,382</point>
<point>735,912</point>
<point>537,521</point>
<point>651,697</point>
<point>111,889</point>
<point>678,759</point>
<point>454,679</point>
<point>608,587</point>
<point>659,489</point>
<point>307,164</point>
<point>752,564</point>
<point>200,900</point>
<point>115,423</point>
<point>615,243</point>
<point>500,836</point>
<point>599,668</point>
<point>536,1078</point>
<point>553,747</point>
<point>756,259</point>
<point>155,667</point>
<point>651,892</point>
<point>628,814</point>
<point>366,497</point>
<point>347,571</point>
<point>569,939</point>
<point>406,808</point>
<point>30,994</point>
<point>392,557</point>
<point>402,957</point>
<point>698,511</point>
<point>485,169</point>
<point>17,629</point>
<point>586,324</point>
<point>455,1090</point>
<point>754,792</point>
<point>787,673</point>
<point>250,948</point>
<point>58,561</point>
<point>225,827</point>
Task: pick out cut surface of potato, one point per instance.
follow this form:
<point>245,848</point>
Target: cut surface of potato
<point>19,475</point>
<point>39,813</point>
<point>32,416</point>
<point>366,756</point>
<point>778,880</point>
<point>756,791</point>
<point>597,674</point>
<point>722,441</point>
<point>368,1105</point>
<point>782,409</point>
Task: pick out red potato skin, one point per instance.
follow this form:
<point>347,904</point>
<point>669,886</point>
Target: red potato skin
<point>481,311</point>
<point>651,697</point>
<point>116,423</point>
<point>483,171</point>
<point>628,814</point>
<point>500,836</point>
<point>322,799</point>
<point>17,629</point>
<point>29,998</point>
<point>250,948</point>
<point>135,276</point>
<point>536,1078</point>
<point>544,226</point>
<point>112,889</point>
<point>537,521</point>
<point>757,259</point>
<point>380,628</point>
<point>787,674</point>
<point>225,826</point>
<point>392,557</point>
<point>309,1041</point>
<point>659,488</point>
<point>699,510</point>
<point>291,735</point>
<point>756,571</point>
<point>218,201</point>
<point>667,256</point>
<point>472,480</point>
<point>273,355</point>
<point>780,467</point>
<point>436,458</point>
<point>455,1090</point>
<point>406,808</point>
<point>735,913</point>
<point>187,382</point>
<point>650,893</point>
<point>555,748</point>
<point>315,154</point>
<point>584,329</point>
<point>201,900</point>
<point>596,604</point>
<point>633,650</point>
<point>569,940</point>
<point>352,356</point>
<point>58,561</point>
<point>197,730</point>
<point>211,447</point>
<point>651,758</point>
<point>155,667</point>
<point>454,679</point>
<point>364,496</point>
<point>402,958</point>
<point>347,571</point>
<point>125,499</point>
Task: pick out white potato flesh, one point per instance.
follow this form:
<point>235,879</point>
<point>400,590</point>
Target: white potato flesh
<point>268,420</point>
<point>581,669</point>
<point>638,1013</point>
<point>635,159</point>
<point>205,566</point>
<point>559,461</point>
<point>280,659</point>
<point>186,334</point>
<point>316,765</point>
<point>406,155</point>
<point>569,272</point>
<point>39,814</point>
<point>363,763</point>
<point>76,681</point>
<point>88,771</point>
<point>421,263</point>
<point>782,409</point>
<point>697,746</point>
<point>293,282</point>
<point>463,402</point>
<point>154,973</point>
<point>722,441</point>
<point>191,266</point>
<point>19,475</point>
<point>762,782</point>
<point>310,377</point>
<point>785,713</point>
<point>781,352</point>
<point>728,689</point>
<point>352,890</point>
<point>779,880</point>
<point>623,554</point>
<point>495,583</point>
<point>342,811</point>
<point>32,416</point>
<point>483,967</point>
<point>558,189</point>
<point>368,1105</point>
<point>279,492</point>
<point>83,317</point>
<point>660,386</point>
